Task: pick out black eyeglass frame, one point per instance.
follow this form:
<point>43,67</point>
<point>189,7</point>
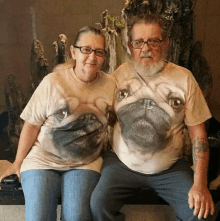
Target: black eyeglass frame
<point>91,50</point>
<point>146,42</point>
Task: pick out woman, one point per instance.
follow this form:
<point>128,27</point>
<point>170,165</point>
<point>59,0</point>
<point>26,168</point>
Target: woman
<point>64,132</point>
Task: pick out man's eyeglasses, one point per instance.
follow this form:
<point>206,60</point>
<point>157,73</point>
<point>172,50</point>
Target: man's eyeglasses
<point>153,43</point>
<point>88,50</point>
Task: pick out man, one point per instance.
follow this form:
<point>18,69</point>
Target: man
<point>155,100</point>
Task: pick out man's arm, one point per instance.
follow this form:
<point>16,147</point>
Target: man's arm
<point>199,196</point>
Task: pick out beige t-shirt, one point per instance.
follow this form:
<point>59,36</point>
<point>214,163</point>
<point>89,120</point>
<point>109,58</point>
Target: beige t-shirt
<point>74,119</point>
<point>152,112</point>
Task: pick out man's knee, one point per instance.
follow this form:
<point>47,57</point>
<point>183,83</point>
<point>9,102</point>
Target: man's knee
<point>98,200</point>
<point>77,215</point>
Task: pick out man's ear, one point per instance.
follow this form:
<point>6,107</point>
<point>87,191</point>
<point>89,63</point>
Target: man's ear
<point>130,46</point>
<point>166,43</point>
<point>72,51</point>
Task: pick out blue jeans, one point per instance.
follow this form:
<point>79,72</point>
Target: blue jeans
<point>118,183</point>
<point>42,189</point>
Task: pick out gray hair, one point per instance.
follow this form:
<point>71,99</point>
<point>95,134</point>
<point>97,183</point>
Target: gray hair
<point>149,19</point>
<point>86,30</point>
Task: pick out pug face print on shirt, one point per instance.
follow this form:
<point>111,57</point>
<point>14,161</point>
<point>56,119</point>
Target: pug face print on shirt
<point>147,112</point>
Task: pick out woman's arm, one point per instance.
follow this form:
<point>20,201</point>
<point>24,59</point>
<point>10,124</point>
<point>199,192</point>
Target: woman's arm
<point>28,136</point>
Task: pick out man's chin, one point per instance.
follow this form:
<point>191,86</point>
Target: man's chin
<point>147,63</point>
<point>148,67</point>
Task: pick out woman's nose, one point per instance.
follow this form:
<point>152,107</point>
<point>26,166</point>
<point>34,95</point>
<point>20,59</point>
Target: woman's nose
<point>93,56</point>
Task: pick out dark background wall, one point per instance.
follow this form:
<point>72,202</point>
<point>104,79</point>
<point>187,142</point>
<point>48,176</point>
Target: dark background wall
<point>207,31</point>
<point>55,17</point>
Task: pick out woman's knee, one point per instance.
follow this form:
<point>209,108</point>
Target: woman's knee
<point>40,184</point>
<point>41,191</point>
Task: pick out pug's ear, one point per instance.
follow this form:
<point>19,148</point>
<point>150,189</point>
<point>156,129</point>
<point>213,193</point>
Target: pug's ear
<point>72,51</point>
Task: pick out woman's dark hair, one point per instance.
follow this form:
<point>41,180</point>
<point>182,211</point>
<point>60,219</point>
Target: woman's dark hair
<point>86,30</point>
<point>149,19</point>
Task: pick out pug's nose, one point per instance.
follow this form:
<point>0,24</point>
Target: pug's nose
<point>88,118</point>
<point>148,103</point>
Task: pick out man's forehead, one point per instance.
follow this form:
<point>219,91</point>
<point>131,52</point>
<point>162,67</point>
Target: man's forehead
<point>146,30</point>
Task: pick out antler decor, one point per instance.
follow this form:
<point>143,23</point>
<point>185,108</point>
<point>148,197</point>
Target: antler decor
<point>15,103</point>
<point>60,50</point>
<point>38,64</point>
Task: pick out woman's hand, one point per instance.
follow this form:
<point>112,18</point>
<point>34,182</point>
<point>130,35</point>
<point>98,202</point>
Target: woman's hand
<point>13,169</point>
<point>28,136</point>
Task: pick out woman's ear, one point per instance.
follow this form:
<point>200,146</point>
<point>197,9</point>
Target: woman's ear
<point>72,51</point>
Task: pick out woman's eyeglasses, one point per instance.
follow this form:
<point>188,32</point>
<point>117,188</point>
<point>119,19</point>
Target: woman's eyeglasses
<point>88,50</point>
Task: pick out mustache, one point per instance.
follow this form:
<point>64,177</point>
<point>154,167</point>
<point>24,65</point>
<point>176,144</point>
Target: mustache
<point>147,55</point>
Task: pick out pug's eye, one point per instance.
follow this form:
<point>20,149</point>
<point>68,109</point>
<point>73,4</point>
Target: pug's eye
<point>176,104</point>
<point>62,114</point>
<point>123,94</point>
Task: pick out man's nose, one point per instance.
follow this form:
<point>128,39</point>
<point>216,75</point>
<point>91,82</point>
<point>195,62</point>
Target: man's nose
<point>146,47</point>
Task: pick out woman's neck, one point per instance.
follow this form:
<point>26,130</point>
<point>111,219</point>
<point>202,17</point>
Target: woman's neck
<point>87,78</point>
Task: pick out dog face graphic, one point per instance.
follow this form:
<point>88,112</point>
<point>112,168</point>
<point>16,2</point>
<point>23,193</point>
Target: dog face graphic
<point>147,113</point>
<point>80,128</point>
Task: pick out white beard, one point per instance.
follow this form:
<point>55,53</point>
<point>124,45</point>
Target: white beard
<point>151,70</point>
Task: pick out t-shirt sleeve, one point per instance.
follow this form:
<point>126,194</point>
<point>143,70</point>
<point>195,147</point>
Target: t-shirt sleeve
<point>35,111</point>
<point>196,111</point>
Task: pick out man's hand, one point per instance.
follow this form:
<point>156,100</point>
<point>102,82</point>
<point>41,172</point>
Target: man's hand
<point>200,199</point>
<point>199,196</point>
